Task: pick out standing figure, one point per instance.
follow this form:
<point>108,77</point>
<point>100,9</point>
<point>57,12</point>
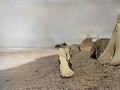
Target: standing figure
<point>64,67</point>
<point>68,56</point>
<point>57,46</point>
<point>71,52</point>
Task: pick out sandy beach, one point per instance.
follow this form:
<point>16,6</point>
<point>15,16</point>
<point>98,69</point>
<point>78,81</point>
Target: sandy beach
<point>13,57</point>
<point>38,72</point>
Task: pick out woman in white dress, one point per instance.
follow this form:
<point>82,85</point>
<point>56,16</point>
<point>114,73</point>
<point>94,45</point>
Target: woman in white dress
<point>64,67</point>
<point>67,52</point>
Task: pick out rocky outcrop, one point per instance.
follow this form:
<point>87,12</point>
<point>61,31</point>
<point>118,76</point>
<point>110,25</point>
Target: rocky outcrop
<point>86,44</point>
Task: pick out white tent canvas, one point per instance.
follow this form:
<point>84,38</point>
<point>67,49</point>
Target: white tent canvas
<point>111,54</point>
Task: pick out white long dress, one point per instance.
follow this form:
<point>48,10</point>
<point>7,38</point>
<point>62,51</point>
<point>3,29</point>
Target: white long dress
<point>67,53</point>
<point>64,68</point>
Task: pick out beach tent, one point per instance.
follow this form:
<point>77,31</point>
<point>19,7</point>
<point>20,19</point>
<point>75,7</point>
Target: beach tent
<point>111,54</point>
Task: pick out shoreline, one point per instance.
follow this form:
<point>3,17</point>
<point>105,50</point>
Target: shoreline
<point>25,49</point>
<point>13,58</point>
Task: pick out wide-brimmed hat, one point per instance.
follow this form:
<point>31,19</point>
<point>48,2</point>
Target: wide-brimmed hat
<point>57,45</point>
<point>64,44</point>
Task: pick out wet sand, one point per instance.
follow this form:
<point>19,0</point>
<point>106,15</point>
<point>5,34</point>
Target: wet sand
<point>43,74</point>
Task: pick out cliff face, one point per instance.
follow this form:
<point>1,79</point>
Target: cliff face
<point>86,44</point>
<point>102,43</point>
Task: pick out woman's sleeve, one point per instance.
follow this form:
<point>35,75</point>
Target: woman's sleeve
<point>68,54</point>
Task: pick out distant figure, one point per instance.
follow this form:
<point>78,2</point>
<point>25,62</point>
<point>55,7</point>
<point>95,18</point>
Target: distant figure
<point>79,48</point>
<point>64,67</point>
<point>71,52</point>
<point>57,46</point>
<point>68,56</point>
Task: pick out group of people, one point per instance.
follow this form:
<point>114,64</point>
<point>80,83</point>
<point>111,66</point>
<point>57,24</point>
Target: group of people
<point>64,60</point>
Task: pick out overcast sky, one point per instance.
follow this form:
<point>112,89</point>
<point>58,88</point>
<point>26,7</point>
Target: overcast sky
<point>43,23</point>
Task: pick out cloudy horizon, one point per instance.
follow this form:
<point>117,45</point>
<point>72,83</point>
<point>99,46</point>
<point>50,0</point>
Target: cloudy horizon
<point>43,23</point>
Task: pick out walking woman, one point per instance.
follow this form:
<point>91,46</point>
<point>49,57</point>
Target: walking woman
<point>68,56</point>
<point>64,67</point>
